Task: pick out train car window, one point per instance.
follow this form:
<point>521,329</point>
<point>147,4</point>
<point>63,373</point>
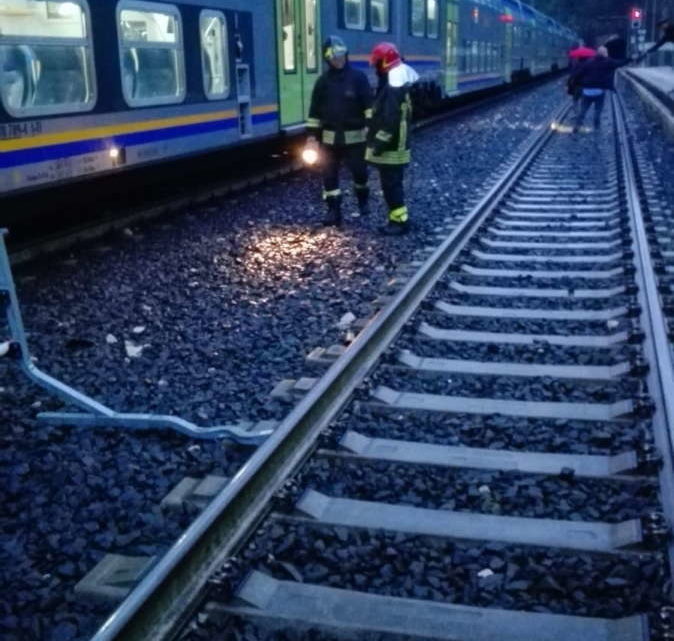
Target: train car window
<point>379,15</point>
<point>418,18</point>
<point>432,19</point>
<point>151,50</point>
<point>214,54</point>
<point>310,35</point>
<point>46,58</point>
<point>452,32</point>
<point>289,26</point>
<point>354,14</point>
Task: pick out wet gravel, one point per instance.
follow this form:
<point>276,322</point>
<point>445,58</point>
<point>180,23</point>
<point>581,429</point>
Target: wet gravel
<point>518,578</point>
<point>494,432</point>
<point>197,315</point>
<point>500,493</point>
<point>490,575</point>
<point>69,497</point>
<point>506,387</point>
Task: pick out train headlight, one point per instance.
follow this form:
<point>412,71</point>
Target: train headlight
<point>117,156</point>
<point>310,156</point>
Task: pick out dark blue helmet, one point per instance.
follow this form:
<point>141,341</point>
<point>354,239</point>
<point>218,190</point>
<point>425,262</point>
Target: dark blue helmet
<point>334,47</point>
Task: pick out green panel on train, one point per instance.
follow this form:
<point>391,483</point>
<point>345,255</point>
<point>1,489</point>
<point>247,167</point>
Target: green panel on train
<point>299,55</point>
<point>452,49</point>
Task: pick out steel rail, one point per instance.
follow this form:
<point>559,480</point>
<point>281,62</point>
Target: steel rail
<point>657,348</point>
<point>157,603</point>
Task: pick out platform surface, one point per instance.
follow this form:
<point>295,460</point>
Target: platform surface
<point>661,78</point>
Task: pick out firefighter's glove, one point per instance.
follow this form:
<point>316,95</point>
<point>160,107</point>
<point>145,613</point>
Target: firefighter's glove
<point>378,148</point>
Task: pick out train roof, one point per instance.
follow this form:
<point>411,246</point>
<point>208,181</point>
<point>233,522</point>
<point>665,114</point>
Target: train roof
<point>526,12</point>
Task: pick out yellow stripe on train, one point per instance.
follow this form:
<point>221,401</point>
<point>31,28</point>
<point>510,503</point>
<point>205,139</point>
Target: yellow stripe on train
<point>110,131</point>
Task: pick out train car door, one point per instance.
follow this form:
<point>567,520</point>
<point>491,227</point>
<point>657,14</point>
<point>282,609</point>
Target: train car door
<point>452,46</point>
<point>298,45</point>
<point>508,48</point>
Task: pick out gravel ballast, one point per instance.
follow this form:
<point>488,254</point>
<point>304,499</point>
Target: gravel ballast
<point>489,575</point>
<point>494,432</point>
<point>198,315</point>
<point>501,493</point>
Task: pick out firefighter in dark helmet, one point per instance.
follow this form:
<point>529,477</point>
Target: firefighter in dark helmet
<point>340,107</point>
<point>388,145</point>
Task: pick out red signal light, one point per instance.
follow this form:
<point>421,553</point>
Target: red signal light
<point>507,18</point>
<point>636,14</point>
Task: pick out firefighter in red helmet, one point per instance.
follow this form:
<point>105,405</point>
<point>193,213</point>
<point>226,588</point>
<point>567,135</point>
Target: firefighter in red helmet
<point>388,145</point>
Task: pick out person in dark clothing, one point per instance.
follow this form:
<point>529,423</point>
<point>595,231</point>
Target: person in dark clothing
<point>388,144</point>
<point>595,77</point>
<point>340,106</point>
<point>577,57</point>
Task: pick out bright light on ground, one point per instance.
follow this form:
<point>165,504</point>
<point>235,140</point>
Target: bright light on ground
<point>309,156</point>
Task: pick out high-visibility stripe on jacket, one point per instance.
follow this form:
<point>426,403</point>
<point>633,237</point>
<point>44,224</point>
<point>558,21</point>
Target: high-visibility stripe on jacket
<point>388,141</point>
<point>340,106</point>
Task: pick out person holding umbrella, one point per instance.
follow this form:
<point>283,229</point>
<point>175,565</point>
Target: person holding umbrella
<point>577,57</point>
<point>595,78</point>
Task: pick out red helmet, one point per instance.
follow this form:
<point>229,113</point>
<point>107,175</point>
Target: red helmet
<point>385,56</point>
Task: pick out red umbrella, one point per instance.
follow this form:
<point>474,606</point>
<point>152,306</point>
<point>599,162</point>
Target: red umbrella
<point>581,53</point>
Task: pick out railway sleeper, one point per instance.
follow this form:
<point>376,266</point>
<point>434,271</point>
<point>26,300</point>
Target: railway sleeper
<point>445,366</point>
<point>429,331</point>
<point>262,596</point>
<point>518,273</point>
<point>401,400</point>
<point>554,533</point>
<point>533,292</point>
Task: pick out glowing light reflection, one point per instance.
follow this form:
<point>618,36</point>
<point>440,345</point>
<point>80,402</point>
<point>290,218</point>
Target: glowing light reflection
<point>309,156</point>
<point>278,261</point>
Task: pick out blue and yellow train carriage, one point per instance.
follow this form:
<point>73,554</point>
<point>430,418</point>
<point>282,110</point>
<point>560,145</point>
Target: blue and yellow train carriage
<point>88,87</point>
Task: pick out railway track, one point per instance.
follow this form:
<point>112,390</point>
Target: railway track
<point>490,460</point>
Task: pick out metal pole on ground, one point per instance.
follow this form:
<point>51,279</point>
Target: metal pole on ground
<point>94,413</point>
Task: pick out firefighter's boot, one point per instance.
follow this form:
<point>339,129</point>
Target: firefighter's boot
<point>363,196</point>
<point>334,215</point>
<point>398,223</point>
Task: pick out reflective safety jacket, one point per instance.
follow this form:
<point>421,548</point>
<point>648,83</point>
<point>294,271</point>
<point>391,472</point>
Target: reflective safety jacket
<point>340,106</point>
<point>388,140</point>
